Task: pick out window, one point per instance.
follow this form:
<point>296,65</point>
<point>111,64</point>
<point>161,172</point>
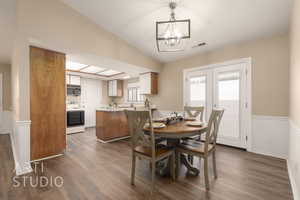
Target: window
<point>133,95</point>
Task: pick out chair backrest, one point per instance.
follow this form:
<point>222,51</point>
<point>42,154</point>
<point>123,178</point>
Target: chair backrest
<point>193,111</point>
<point>136,123</point>
<point>213,128</point>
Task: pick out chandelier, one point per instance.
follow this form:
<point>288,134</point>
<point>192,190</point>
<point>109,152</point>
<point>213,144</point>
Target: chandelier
<point>172,35</point>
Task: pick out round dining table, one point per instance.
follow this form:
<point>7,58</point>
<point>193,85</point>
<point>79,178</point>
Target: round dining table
<point>173,133</point>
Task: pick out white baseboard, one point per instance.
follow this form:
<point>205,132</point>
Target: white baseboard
<point>293,182</point>
<point>293,161</point>
<point>113,140</point>
<point>270,135</point>
<point>6,122</point>
<point>20,142</point>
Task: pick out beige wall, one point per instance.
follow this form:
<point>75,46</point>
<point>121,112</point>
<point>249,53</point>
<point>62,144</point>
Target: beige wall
<point>270,75</point>
<point>294,147</point>
<point>105,98</point>
<point>52,24</point>
<point>6,71</point>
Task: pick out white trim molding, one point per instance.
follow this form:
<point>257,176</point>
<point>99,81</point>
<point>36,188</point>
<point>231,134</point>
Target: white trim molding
<point>293,161</point>
<point>20,141</point>
<point>270,135</point>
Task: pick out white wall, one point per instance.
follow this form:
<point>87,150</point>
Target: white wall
<point>294,147</point>
<point>91,99</point>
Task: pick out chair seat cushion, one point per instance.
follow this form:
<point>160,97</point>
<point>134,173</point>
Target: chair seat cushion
<point>159,151</point>
<point>195,146</point>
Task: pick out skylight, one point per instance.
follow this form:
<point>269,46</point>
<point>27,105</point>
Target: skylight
<point>74,66</point>
<point>92,69</point>
<point>109,73</point>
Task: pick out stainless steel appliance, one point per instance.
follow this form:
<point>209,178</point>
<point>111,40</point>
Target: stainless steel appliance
<point>74,90</point>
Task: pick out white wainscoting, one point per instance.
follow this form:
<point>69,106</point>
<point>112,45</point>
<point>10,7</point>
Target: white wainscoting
<point>270,135</point>
<point>6,122</point>
<point>294,159</point>
<point>20,139</point>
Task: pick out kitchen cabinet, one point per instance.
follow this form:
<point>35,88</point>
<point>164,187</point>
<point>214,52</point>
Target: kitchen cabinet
<point>115,88</point>
<point>111,125</point>
<point>149,83</point>
<point>73,80</point>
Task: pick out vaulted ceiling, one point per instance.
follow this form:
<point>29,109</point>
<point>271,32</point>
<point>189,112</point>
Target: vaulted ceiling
<point>216,22</point>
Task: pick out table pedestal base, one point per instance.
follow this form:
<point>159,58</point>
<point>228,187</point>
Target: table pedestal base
<point>163,167</point>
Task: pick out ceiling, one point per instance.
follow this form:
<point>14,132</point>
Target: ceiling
<point>7,25</point>
<point>215,22</point>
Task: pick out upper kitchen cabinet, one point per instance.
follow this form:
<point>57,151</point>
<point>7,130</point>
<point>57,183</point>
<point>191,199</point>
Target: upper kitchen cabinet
<point>115,88</point>
<point>72,80</point>
<point>149,83</point>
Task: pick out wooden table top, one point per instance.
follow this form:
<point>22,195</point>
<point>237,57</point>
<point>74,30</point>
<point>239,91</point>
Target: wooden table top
<point>178,130</point>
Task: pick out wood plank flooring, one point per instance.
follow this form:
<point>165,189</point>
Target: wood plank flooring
<point>92,170</point>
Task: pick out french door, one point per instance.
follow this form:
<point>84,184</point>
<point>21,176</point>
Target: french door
<point>224,86</point>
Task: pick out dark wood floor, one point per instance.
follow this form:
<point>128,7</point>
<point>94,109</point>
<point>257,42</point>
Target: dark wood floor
<point>92,170</point>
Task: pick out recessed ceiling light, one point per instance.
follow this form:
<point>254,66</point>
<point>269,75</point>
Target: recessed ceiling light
<point>109,72</point>
<point>74,66</point>
<point>92,69</point>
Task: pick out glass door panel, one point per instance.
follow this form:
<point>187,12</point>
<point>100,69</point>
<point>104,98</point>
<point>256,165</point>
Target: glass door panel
<point>228,84</point>
<point>199,91</point>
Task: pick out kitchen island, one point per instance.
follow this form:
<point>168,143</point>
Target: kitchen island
<point>111,125</point>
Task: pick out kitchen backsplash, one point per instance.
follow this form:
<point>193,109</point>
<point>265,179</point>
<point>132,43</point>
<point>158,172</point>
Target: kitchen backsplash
<point>73,100</point>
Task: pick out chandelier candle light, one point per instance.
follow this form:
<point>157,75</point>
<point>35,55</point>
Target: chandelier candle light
<point>172,35</point>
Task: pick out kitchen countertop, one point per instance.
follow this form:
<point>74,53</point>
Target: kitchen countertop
<point>113,109</point>
<point>119,109</point>
<point>75,109</point>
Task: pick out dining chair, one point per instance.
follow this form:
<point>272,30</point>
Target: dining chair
<point>207,148</point>
<point>143,145</point>
<point>194,112</point>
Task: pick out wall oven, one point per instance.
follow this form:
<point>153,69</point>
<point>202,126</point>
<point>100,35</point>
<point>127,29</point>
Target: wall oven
<point>75,121</point>
<point>75,118</point>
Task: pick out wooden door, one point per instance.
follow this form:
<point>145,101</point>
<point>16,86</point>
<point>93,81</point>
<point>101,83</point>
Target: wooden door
<point>47,103</point>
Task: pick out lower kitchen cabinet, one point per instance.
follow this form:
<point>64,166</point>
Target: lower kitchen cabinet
<point>111,125</point>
